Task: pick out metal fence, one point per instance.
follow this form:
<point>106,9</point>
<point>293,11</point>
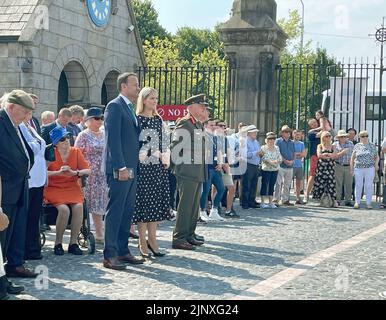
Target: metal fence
<point>350,95</point>
<point>176,84</point>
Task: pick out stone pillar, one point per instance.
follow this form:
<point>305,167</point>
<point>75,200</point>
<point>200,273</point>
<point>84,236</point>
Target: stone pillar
<point>253,42</point>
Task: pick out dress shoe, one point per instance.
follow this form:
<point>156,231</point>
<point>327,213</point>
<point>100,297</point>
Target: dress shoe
<point>183,246</point>
<point>155,253</point>
<point>130,259</point>
<point>13,288</point>
<point>114,264</point>
<point>195,242</point>
<point>58,250</point>
<point>74,249</point>
<point>199,238</point>
<point>20,272</point>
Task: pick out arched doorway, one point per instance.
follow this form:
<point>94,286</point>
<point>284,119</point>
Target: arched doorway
<point>109,87</point>
<point>73,86</point>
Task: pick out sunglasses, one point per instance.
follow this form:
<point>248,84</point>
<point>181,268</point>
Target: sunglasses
<point>222,125</point>
<point>64,139</point>
<point>99,118</point>
<point>364,136</point>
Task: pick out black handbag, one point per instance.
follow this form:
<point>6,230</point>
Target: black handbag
<point>49,153</point>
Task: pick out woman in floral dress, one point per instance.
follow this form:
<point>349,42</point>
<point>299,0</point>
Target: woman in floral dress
<point>325,171</point>
<point>152,203</point>
<point>91,141</point>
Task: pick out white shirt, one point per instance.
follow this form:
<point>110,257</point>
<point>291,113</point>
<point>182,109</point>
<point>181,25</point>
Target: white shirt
<point>38,172</point>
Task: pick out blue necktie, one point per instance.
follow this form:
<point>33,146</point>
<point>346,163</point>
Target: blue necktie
<point>130,105</point>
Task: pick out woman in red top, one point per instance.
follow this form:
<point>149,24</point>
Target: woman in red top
<point>63,190</point>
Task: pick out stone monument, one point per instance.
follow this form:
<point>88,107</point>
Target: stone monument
<point>253,41</point>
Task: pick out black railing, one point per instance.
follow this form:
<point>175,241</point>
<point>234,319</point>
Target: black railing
<point>350,95</point>
<point>176,84</point>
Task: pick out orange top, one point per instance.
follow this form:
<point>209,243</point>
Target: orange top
<point>63,189</point>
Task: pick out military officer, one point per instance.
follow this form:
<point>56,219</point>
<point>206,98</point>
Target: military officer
<point>188,158</point>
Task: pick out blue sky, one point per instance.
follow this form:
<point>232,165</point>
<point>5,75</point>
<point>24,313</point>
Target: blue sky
<point>348,18</point>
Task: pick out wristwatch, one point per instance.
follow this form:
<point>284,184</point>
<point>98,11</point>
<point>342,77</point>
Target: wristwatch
<point>77,173</point>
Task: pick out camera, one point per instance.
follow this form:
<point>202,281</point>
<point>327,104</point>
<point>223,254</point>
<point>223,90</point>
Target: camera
<point>130,28</point>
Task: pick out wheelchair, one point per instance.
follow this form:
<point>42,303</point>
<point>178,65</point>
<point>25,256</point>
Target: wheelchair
<point>86,238</point>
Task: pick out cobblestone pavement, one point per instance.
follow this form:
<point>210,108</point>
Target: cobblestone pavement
<point>238,254</point>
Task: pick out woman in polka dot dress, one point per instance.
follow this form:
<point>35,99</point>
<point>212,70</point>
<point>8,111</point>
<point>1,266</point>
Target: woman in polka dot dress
<point>152,200</point>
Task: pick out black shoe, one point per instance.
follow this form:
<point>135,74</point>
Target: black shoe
<point>254,205</point>
<point>232,214</point>
<point>12,288</point>
<point>156,254</point>
<point>245,207</point>
<point>348,204</point>
<point>58,250</point>
<point>74,249</point>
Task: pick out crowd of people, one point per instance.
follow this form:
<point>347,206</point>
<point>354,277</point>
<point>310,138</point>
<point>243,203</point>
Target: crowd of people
<point>142,170</point>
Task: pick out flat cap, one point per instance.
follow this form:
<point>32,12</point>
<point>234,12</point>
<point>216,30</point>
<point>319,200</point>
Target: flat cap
<point>199,98</point>
<point>21,98</point>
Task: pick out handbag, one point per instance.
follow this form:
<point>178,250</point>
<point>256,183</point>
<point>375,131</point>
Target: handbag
<point>326,200</point>
<point>49,153</point>
<point>227,179</point>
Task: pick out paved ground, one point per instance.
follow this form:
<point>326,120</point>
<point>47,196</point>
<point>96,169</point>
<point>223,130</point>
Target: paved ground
<point>238,255</point>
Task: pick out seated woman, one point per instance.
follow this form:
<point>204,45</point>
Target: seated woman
<point>63,190</point>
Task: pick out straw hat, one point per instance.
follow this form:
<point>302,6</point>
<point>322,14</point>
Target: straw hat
<point>342,134</point>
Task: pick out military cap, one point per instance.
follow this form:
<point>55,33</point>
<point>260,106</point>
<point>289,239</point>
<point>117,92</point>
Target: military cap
<point>199,98</point>
<point>21,98</point>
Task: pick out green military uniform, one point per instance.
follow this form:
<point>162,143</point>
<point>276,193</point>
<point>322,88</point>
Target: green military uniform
<point>190,174</point>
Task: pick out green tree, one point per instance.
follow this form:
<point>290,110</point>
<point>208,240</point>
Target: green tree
<point>192,41</point>
<point>147,20</point>
<point>304,74</point>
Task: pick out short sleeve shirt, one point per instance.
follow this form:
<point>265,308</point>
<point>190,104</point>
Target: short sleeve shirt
<point>365,155</point>
<point>299,147</point>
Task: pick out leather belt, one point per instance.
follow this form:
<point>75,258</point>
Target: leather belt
<point>343,165</point>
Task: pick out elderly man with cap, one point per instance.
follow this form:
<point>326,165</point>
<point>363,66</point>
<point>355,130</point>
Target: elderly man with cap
<point>251,176</point>
<point>16,160</point>
<point>344,179</point>
<point>188,157</point>
<point>284,178</point>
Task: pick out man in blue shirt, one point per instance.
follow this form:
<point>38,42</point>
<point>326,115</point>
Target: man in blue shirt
<point>300,153</point>
<point>251,176</point>
<point>314,141</point>
<point>284,178</point>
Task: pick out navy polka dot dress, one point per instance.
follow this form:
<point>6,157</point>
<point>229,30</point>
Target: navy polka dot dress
<point>153,194</point>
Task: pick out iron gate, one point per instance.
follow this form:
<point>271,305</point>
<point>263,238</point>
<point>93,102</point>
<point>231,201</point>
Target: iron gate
<point>350,95</point>
<point>176,84</point>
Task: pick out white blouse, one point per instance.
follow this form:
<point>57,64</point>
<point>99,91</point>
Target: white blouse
<point>38,172</point>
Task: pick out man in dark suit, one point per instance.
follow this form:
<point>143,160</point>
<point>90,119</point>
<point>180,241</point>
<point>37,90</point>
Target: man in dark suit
<point>16,159</point>
<point>188,145</point>
<point>121,162</point>
<point>64,118</point>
